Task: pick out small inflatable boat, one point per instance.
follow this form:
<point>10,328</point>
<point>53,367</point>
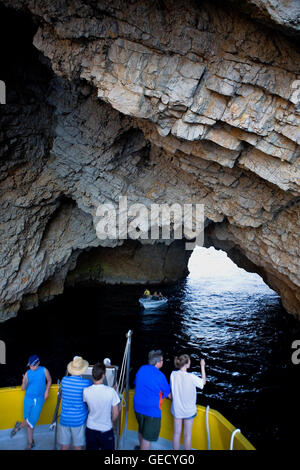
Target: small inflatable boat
<point>150,303</point>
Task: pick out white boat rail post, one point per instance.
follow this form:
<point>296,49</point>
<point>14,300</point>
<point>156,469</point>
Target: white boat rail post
<point>129,334</point>
<point>120,387</point>
<point>207,427</point>
<point>53,425</point>
<point>232,438</point>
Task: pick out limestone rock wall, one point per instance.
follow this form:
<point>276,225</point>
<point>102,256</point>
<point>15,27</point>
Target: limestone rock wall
<point>133,263</point>
<point>284,15</point>
<point>169,101</point>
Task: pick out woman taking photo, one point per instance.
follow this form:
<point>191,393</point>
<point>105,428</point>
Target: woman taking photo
<point>183,408</point>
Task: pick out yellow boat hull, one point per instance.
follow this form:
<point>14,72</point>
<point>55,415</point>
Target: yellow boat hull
<point>220,429</point>
<point>11,406</point>
<point>11,410</point>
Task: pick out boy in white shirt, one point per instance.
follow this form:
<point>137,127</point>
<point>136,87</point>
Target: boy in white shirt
<point>103,404</point>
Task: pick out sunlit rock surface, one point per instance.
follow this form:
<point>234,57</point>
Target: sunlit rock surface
<point>164,102</point>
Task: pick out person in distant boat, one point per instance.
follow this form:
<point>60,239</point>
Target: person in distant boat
<point>37,390</point>
<point>183,408</point>
<point>155,296</point>
<point>151,386</point>
<point>146,294</point>
<point>103,404</point>
<point>161,297</point>
<point>74,411</point>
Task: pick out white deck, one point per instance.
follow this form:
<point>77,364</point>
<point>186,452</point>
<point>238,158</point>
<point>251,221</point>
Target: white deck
<point>44,440</point>
<point>43,437</point>
<point>132,441</point>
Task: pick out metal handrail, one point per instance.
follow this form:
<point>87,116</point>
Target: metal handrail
<point>125,370</point>
<point>207,427</point>
<point>232,438</point>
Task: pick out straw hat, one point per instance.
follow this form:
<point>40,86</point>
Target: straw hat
<point>78,366</point>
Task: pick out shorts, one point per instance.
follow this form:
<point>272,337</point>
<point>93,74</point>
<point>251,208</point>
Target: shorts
<point>189,417</point>
<point>95,440</point>
<point>67,435</point>
<point>32,409</point>
<point>149,427</point>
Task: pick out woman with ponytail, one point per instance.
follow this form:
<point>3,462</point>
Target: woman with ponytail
<point>183,408</point>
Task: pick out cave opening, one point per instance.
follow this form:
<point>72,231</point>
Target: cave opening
<point>212,263</point>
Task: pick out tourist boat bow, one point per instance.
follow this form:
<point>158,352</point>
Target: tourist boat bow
<point>211,431</point>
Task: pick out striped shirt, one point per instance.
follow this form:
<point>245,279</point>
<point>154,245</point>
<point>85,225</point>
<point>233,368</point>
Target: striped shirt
<point>73,409</point>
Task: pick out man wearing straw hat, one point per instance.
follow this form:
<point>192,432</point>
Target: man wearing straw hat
<point>71,428</point>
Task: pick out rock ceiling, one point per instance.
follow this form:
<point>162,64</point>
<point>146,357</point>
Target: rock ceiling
<point>166,101</point>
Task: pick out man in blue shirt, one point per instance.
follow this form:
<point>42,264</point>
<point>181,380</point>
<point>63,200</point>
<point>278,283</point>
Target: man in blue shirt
<point>74,411</point>
<point>151,387</point>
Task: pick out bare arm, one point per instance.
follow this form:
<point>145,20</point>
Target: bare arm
<point>115,412</point>
<point>49,382</point>
<point>203,374</point>
<point>24,382</point>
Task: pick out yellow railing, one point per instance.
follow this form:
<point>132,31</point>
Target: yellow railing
<point>11,406</point>
<point>220,429</point>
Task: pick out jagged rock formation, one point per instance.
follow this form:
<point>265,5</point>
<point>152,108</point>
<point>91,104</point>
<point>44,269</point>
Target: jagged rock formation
<point>167,101</point>
<point>284,15</point>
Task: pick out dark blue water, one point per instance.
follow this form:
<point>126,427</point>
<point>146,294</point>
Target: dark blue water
<point>236,323</point>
